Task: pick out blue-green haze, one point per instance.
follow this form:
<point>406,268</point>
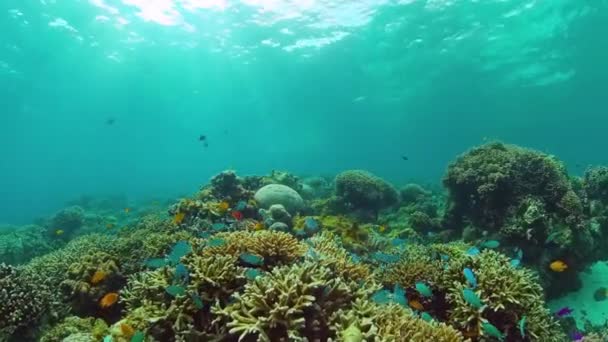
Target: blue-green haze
<point>313,87</point>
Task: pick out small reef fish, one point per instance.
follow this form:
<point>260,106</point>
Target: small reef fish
<point>399,295</point>
<point>355,258</point>
<point>97,277</point>
<point>424,289</point>
<point>426,317</point>
<point>416,305</point>
<point>577,337</point>
<point>515,263</point>
<point>180,249</point>
<point>237,215</point>
<point>473,251</point>
<point>519,253</point>
<point>155,263</point>
<point>109,225</point>
<point>108,300</point>
<point>382,229</point>
<point>175,290</point>
<point>252,273</point>
<point>558,266</point>
<point>490,244</point>
<point>223,207</point>
<point>398,242</point>
<point>218,226</point>
<point>522,326</point>
<point>110,121</point>
<point>311,225</point>
<point>472,298</point>
<point>216,242</point>
<point>470,277</point>
<point>181,274</point>
<point>138,337</point>
<point>444,257</point>
<point>178,218</point>
<point>551,237</point>
<point>241,205</point>
<point>258,226</point>
<point>352,334</point>
<point>382,297</point>
<point>107,338</point>
<point>493,331</point>
<point>600,294</point>
<point>127,210</point>
<point>59,232</point>
<point>406,158</point>
<point>127,330</point>
<point>564,312</point>
<point>251,259</point>
<point>385,258</point>
<point>197,301</point>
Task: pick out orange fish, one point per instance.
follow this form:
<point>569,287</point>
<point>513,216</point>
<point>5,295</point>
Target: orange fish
<point>416,305</point>
<point>98,277</point>
<point>179,218</point>
<point>558,266</point>
<point>127,330</point>
<point>108,300</point>
<point>127,210</point>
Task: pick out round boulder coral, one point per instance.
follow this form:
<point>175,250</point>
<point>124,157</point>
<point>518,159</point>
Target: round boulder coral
<point>363,190</point>
<point>279,194</point>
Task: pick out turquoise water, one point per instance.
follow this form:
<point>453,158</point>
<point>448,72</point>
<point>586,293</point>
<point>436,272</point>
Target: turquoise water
<point>308,86</point>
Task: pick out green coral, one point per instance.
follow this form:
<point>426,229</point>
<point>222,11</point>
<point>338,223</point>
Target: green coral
<point>595,183</point>
<point>96,329</point>
<point>362,190</point>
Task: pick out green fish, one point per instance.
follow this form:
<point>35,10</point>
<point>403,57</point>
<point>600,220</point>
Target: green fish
<point>472,298</point>
<point>522,326</point>
<point>175,290</point>
<point>138,337</point>
<point>493,331</point>
<point>197,301</point>
<point>491,244</point>
<point>426,317</point>
<point>424,289</point>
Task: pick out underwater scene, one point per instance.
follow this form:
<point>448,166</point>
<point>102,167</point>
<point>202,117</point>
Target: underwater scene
<point>303,170</point>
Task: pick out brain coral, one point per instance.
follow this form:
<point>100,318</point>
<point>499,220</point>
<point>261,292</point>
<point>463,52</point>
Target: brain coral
<point>363,190</point>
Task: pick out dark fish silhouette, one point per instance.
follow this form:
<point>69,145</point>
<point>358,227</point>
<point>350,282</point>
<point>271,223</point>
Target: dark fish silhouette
<point>203,138</point>
<point>110,121</point>
<point>405,158</point>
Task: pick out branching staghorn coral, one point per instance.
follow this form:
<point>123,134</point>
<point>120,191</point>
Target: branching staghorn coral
<point>290,303</point>
<point>507,293</point>
<point>330,254</point>
<point>96,329</point>
<point>277,248</point>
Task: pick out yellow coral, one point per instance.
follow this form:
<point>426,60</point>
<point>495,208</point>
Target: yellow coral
<point>332,255</point>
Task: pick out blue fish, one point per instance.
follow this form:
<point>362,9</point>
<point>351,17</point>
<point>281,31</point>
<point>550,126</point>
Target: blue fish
<point>470,277</point>
<point>398,242</point>
<point>155,263</point>
<point>551,237</point>
<point>472,298</point>
<point>241,205</point>
<point>385,258</point>
<point>355,258</point>
<point>312,254</point>
<point>382,297</point>
<point>138,337</point>
<point>491,244</point>
<point>522,326</point>
<point>216,242</point>
<point>311,225</point>
<point>218,226</point>
<point>424,289</point>
<point>515,263</point>
<point>493,331</point>
<point>176,290</point>
<point>197,301</point>
<point>399,295</point>
<point>444,257</point>
<point>204,235</point>
<point>107,338</point>
<point>473,251</point>
<point>252,273</point>
<point>426,317</point>
<point>181,274</point>
<point>519,254</point>
<point>180,249</point>
<point>251,259</point>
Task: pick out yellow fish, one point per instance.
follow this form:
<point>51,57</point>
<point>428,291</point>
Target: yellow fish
<point>98,277</point>
<point>258,226</point>
<point>382,229</point>
<point>59,232</point>
<point>179,217</point>
<point>223,206</point>
<point>558,266</point>
<point>127,210</point>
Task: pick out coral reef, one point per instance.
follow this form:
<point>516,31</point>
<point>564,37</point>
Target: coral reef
<point>595,183</point>
<point>91,328</point>
<point>23,301</point>
<point>364,191</point>
<point>68,220</point>
<point>279,194</point>
<point>20,244</point>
